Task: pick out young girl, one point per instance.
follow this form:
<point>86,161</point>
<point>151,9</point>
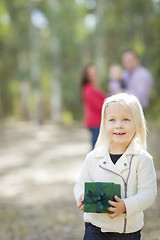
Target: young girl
<point>120,156</point>
<point>116,83</point>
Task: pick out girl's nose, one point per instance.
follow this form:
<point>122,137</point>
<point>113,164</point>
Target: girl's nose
<point>118,124</point>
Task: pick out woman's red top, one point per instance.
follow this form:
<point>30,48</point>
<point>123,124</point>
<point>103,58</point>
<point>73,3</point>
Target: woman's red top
<point>93,99</point>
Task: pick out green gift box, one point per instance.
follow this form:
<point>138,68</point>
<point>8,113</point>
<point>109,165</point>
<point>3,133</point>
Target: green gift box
<point>97,195</point>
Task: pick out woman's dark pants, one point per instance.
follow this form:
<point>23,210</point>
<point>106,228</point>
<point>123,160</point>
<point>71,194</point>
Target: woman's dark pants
<point>94,135</point>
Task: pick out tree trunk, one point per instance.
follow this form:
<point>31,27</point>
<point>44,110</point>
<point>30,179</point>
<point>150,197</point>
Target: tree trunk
<point>38,113</point>
<point>25,86</point>
<point>56,89</point>
<point>100,38</point>
<point>56,97</point>
<point>35,76</point>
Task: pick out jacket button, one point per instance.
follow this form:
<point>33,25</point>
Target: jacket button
<point>125,164</point>
<point>104,162</point>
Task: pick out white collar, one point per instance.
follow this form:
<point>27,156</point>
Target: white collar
<point>133,149</point>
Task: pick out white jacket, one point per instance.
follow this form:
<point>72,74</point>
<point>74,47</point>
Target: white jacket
<point>136,174</point>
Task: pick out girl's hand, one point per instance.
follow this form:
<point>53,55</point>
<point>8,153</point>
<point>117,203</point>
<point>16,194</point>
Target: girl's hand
<point>79,204</point>
<point>118,207</point>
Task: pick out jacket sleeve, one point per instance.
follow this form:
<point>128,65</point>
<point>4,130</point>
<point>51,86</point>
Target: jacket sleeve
<point>84,177</point>
<point>146,189</point>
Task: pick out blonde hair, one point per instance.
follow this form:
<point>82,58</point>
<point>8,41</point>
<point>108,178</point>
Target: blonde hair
<point>132,102</point>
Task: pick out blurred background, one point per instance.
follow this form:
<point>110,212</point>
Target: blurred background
<point>44,45</point>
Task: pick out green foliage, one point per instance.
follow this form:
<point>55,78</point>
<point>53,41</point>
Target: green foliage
<point>4,21</point>
<point>65,45</point>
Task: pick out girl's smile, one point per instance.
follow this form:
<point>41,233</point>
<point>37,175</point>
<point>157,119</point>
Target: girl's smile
<point>119,134</point>
<point>120,127</point>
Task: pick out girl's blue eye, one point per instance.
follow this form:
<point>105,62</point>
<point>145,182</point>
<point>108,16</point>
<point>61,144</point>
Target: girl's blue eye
<point>111,120</point>
<point>126,119</point>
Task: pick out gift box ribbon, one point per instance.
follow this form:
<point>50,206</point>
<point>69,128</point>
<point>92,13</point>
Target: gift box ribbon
<point>99,198</point>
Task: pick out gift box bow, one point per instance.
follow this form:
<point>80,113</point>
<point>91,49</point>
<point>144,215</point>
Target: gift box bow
<point>99,198</point>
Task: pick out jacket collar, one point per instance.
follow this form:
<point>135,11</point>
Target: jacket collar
<point>133,149</point>
<point>122,164</point>
<point>100,151</point>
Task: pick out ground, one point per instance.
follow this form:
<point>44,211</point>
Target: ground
<point>38,169</point>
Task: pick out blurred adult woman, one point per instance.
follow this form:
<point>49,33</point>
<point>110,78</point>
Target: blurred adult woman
<point>93,99</point>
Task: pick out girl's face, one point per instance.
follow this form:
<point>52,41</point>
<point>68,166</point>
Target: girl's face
<point>120,126</point>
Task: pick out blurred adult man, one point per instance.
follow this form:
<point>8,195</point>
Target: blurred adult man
<point>138,79</point>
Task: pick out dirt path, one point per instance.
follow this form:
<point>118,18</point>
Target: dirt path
<point>38,169</point>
